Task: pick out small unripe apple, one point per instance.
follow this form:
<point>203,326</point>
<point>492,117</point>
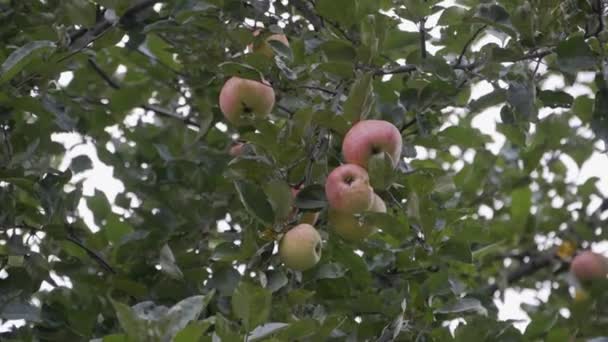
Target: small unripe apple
<point>240,96</point>
<point>588,265</point>
<point>349,227</point>
<point>348,190</point>
<point>370,137</point>
<point>264,47</point>
<point>300,247</point>
<point>236,149</point>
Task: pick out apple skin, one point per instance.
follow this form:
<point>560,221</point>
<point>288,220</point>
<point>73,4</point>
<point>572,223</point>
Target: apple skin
<point>264,48</point>
<point>588,266</point>
<point>241,96</point>
<point>300,248</point>
<point>349,227</point>
<point>348,190</point>
<point>236,149</point>
<point>369,137</point>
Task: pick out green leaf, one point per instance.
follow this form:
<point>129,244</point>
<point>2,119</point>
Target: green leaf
<point>330,271</point>
<point>255,201</point>
<point>193,331</point>
<point>182,313</point>
<point>263,331</point>
<point>493,98</point>
<point>457,250</point>
<point>521,95</point>
<point>311,197</point>
<point>251,304</point>
<point>463,305</point>
<point>167,263</point>
<point>21,57</point>
<point>280,197</point>
<point>521,201</point>
<point>81,163</point>
<point>360,99</point>
<point>466,137</point>
<point>344,12</point>
<point>281,49</point>
<point>497,16</point>
<point>380,169</point>
<point>552,98</point>
<point>574,55</point>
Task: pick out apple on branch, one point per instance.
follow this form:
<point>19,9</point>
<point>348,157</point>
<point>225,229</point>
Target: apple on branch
<point>348,190</point>
<point>368,138</point>
<point>349,227</point>
<point>300,248</point>
<point>264,47</point>
<point>241,97</point>
<point>588,265</point>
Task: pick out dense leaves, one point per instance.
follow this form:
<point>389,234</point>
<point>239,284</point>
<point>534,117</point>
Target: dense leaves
<point>499,104</point>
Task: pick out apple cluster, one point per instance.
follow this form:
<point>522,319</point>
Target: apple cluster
<point>243,99</point>
<point>348,188</point>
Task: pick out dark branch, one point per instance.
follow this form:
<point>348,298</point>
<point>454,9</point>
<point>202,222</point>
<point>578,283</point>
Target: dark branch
<point>527,269</point>
<point>331,92</point>
<point>408,125</point>
<point>398,70</point>
<point>91,253</point>
<point>159,111</point>
<point>468,43</point>
<point>422,31</point>
<point>103,75</point>
<point>285,109</point>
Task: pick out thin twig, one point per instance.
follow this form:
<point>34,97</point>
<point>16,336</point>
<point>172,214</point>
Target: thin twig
<point>398,70</point>
<point>285,109</point>
<point>468,43</point>
<point>408,125</point>
<point>331,92</point>
<point>158,110</point>
<point>103,75</point>
<point>94,255</point>
<point>533,266</point>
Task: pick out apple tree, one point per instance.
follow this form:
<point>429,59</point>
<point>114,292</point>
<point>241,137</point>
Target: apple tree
<point>246,203</point>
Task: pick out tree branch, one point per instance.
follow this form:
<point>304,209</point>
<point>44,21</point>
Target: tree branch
<point>398,70</point>
<point>91,253</point>
<point>468,43</point>
<point>422,31</point>
<point>534,265</point>
<point>158,110</point>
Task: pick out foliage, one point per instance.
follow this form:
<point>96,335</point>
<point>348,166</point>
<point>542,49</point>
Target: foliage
<point>466,220</point>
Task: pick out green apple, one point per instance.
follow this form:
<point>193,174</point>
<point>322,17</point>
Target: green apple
<point>300,247</point>
<point>349,227</point>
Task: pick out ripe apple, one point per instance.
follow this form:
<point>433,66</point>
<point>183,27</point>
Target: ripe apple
<point>240,96</point>
<point>588,265</point>
<point>370,137</point>
<point>236,149</point>
<point>300,247</point>
<point>348,190</point>
<point>349,227</point>
<point>264,47</point>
